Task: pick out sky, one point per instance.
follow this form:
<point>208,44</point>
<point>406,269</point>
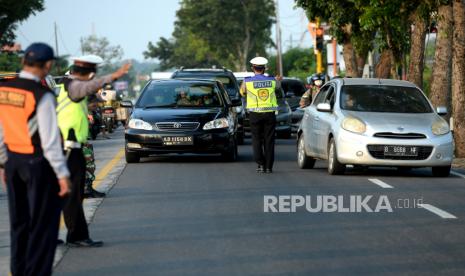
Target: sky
<point>130,24</point>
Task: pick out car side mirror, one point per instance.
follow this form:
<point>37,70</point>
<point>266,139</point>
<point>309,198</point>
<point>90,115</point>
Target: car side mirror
<point>324,107</point>
<point>290,94</point>
<point>126,104</point>
<point>236,102</point>
<point>441,110</point>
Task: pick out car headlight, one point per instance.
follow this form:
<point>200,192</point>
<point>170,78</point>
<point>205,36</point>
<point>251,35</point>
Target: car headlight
<point>238,109</point>
<point>353,124</point>
<point>139,124</point>
<point>440,127</point>
<point>215,124</point>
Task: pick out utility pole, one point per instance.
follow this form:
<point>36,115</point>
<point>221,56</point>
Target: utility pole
<point>319,54</point>
<point>56,46</point>
<point>279,60</point>
<point>334,57</point>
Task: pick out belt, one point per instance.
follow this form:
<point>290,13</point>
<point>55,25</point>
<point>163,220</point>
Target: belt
<point>263,109</point>
<point>72,145</point>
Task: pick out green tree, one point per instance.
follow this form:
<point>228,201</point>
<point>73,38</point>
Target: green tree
<point>9,62</point>
<point>100,46</point>
<point>212,32</point>
<point>14,11</point>
<point>61,66</point>
<point>343,18</point>
<point>297,62</point>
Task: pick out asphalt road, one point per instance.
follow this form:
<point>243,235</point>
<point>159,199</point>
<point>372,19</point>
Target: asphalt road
<point>196,215</point>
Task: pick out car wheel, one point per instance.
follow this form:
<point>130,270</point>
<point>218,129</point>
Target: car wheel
<point>441,171</point>
<point>231,154</point>
<point>240,138</point>
<point>303,160</point>
<point>334,167</point>
<point>132,157</point>
<point>286,135</point>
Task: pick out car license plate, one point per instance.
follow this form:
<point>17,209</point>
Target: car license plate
<point>400,151</point>
<point>178,140</point>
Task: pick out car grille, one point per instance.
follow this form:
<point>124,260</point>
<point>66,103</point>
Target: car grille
<point>377,151</point>
<point>391,135</point>
<point>177,126</point>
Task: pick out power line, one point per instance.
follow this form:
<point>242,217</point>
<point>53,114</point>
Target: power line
<point>63,41</point>
<point>24,36</point>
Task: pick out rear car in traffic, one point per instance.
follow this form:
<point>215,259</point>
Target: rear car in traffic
<point>371,122</point>
<point>227,79</point>
<point>182,116</point>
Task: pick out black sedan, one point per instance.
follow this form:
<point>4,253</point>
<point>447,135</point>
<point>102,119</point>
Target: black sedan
<point>182,116</point>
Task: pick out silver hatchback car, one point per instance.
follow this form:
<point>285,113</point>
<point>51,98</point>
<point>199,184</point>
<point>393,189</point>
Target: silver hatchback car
<point>374,122</point>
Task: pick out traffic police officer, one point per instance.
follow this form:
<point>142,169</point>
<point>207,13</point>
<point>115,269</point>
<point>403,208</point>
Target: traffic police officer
<point>35,168</point>
<point>72,119</point>
<point>261,105</point>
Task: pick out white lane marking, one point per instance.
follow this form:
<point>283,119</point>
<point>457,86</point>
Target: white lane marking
<point>380,183</point>
<point>443,214</point>
<point>458,174</point>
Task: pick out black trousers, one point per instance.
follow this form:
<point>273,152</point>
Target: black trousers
<point>34,207</point>
<point>262,126</point>
<point>73,211</point>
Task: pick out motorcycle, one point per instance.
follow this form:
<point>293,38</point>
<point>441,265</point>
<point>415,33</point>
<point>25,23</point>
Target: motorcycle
<point>95,124</point>
<point>109,118</point>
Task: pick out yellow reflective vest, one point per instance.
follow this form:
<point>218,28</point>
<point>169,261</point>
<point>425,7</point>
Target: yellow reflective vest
<point>261,95</point>
<point>72,115</point>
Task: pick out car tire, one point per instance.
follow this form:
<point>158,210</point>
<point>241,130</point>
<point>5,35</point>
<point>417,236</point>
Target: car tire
<point>285,134</point>
<point>334,166</point>
<point>132,157</point>
<point>303,160</point>
<point>231,154</point>
<point>240,138</point>
<point>443,171</point>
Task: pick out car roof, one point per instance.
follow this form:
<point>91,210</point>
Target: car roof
<point>373,81</point>
<point>204,70</point>
<point>168,81</point>
<point>160,75</point>
<point>243,74</point>
<point>290,79</point>
<point>8,75</point>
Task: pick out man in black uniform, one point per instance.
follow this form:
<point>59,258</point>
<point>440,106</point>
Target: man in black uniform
<point>34,165</point>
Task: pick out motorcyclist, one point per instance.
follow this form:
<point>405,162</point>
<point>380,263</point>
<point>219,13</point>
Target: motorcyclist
<point>316,81</point>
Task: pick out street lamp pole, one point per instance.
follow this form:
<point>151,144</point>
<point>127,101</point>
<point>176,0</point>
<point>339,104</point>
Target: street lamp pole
<point>279,60</point>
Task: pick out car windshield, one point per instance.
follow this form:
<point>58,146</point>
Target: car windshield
<point>179,95</point>
<point>227,82</point>
<point>293,86</point>
<point>384,98</point>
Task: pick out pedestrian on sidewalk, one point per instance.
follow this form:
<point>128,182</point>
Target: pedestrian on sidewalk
<point>32,164</point>
<point>262,106</point>
<point>73,122</point>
